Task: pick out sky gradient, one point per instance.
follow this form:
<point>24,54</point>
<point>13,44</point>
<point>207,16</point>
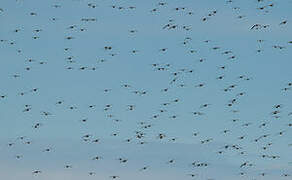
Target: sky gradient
<point>70,87</point>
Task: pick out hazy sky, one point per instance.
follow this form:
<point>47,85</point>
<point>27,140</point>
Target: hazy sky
<point>264,76</point>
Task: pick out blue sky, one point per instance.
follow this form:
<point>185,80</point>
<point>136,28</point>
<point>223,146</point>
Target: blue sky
<point>268,71</point>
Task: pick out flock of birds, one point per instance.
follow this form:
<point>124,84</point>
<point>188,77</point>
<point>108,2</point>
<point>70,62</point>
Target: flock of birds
<point>68,74</point>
